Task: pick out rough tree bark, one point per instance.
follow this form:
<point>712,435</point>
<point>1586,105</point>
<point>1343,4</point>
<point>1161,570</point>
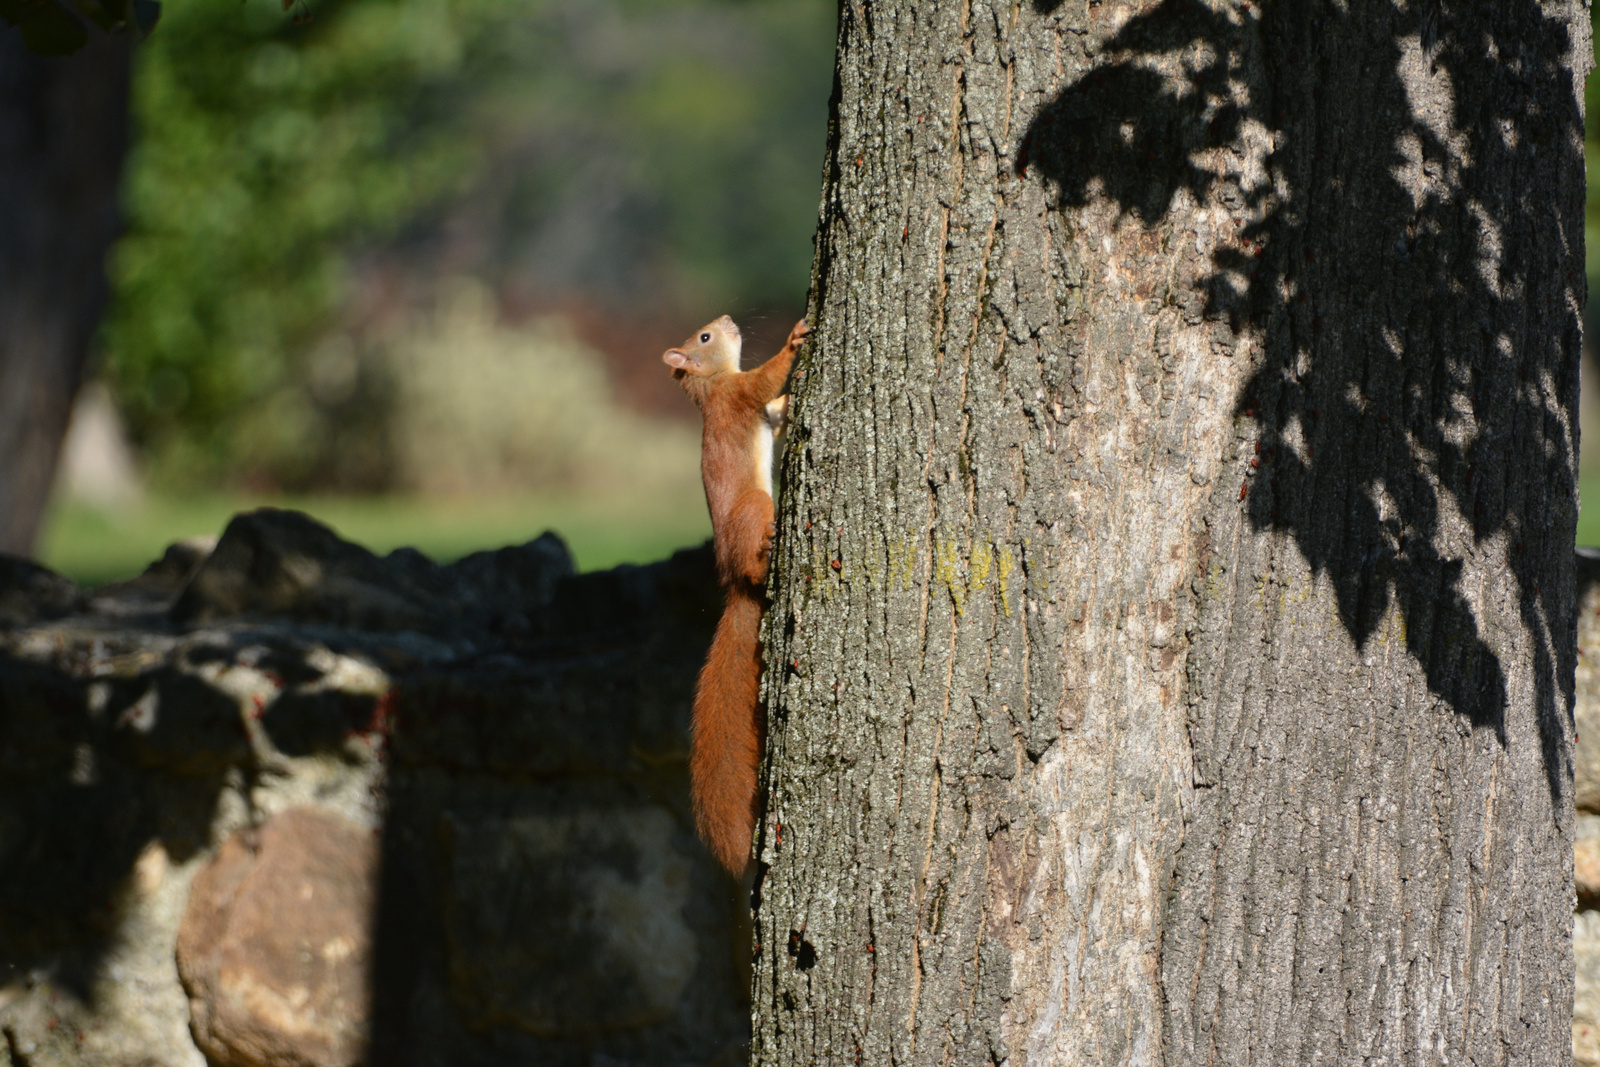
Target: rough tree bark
<point>63,134</point>
<point>1171,651</point>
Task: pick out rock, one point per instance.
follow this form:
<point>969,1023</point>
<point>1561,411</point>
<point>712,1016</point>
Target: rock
<point>1586,994</point>
<point>568,924</point>
<point>515,581</point>
<point>30,593</point>
<point>271,562</point>
<point>1586,797</point>
<point>1586,943</point>
<point>175,719</point>
<point>274,948</point>
<point>1586,710</point>
<point>179,561</point>
<point>158,584</point>
<point>1586,861</point>
<point>282,563</point>
<point>1585,1045</point>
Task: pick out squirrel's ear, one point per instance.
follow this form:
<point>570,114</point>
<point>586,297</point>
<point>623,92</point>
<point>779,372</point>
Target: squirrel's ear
<point>676,358</point>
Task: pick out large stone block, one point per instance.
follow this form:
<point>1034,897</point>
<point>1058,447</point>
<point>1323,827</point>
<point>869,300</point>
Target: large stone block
<point>1586,996</point>
<point>1586,709</point>
<point>567,924</point>
<point>275,945</point>
<point>1586,797</point>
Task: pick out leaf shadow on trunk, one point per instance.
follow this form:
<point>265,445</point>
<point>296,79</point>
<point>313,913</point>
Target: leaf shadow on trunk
<point>1416,387</point>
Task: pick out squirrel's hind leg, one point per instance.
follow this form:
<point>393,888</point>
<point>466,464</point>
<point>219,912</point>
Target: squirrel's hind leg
<point>748,540</point>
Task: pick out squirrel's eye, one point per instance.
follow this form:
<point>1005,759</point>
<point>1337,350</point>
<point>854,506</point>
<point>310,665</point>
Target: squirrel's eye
<point>705,338</point>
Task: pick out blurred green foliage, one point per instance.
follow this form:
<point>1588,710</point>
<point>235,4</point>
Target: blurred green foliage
<point>643,153</point>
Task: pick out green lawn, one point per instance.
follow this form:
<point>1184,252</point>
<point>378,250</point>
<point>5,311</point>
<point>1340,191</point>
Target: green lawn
<point>92,546</point>
<point>1589,516</point>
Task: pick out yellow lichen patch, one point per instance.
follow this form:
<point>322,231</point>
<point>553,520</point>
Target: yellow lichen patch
<point>981,562</point>
<point>965,577</point>
<point>947,569</point>
<point>1005,566</point>
<point>962,574</point>
<point>1291,595</point>
<point>1397,624</point>
<point>902,563</point>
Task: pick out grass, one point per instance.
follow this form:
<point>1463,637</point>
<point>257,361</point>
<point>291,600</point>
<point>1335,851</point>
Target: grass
<point>93,546</point>
<point>1589,516</point>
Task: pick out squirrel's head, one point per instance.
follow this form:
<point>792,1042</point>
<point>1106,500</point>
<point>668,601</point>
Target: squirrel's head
<point>714,348</point>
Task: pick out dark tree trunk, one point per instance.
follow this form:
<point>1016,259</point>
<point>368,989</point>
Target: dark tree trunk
<point>63,134</point>
<point>1171,651</point>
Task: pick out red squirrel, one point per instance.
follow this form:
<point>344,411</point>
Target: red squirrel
<point>743,413</point>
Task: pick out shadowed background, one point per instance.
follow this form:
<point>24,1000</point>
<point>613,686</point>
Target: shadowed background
<point>410,267</point>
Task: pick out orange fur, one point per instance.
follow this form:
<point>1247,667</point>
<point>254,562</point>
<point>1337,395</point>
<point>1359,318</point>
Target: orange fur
<point>728,732</point>
<point>729,728</point>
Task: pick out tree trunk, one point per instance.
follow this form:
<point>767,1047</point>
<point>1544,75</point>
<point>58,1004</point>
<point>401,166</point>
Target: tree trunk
<point>63,134</point>
<point>1171,648</point>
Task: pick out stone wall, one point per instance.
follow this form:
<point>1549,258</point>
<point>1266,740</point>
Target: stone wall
<point>285,802</point>
<point>1586,796</point>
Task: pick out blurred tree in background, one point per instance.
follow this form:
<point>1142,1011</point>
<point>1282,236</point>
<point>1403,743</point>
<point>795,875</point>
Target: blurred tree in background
<point>1591,227</point>
<point>299,193</point>
<point>63,135</point>
<point>1589,403</point>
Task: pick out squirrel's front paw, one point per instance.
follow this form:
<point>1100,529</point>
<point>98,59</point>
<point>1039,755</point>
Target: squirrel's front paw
<point>798,334</point>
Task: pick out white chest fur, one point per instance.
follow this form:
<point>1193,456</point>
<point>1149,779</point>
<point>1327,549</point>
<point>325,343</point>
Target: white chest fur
<point>767,433</point>
<point>761,453</point>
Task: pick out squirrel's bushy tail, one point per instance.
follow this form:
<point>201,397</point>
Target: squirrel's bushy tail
<point>726,745</point>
